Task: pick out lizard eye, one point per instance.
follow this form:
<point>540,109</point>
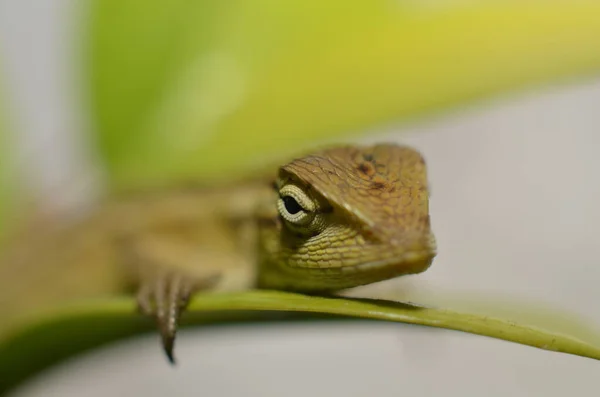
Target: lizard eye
<point>295,206</point>
<point>291,205</point>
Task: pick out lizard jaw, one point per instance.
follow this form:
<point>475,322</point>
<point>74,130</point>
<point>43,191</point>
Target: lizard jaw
<point>330,279</point>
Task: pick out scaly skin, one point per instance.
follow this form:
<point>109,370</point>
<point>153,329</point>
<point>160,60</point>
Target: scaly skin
<point>367,220</point>
<point>335,219</point>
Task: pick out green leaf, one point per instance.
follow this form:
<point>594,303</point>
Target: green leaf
<point>82,326</point>
<point>201,89</point>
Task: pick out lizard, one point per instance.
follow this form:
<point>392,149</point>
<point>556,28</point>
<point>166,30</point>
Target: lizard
<point>337,218</point>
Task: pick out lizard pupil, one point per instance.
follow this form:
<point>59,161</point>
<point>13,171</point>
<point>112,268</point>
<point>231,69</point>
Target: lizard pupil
<point>291,205</point>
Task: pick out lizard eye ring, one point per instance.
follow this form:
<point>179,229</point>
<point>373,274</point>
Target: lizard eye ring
<point>295,206</point>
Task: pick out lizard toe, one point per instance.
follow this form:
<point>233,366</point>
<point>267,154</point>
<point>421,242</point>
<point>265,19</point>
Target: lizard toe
<point>164,299</point>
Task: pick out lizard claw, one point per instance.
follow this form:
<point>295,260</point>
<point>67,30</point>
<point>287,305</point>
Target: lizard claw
<point>164,299</point>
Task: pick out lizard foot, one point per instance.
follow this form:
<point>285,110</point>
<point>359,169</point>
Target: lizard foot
<point>164,298</point>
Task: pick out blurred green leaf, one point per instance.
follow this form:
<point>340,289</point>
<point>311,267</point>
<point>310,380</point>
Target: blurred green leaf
<point>80,327</point>
<point>200,89</point>
<point>8,175</point>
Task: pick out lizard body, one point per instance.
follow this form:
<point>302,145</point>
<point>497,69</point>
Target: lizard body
<point>335,219</point>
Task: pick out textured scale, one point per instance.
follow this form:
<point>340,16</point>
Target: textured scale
<point>383,186</point>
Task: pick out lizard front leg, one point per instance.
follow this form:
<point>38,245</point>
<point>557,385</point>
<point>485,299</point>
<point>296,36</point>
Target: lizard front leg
<point>169,268</point>
<point>164,296</point>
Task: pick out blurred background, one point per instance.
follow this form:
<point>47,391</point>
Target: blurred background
<point>502,99</point>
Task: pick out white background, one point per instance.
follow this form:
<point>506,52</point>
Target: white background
<point>515,209</point>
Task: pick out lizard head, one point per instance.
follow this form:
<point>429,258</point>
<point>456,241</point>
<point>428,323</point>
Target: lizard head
<point>344,217</point>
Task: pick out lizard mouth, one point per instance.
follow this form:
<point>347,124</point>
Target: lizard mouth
<point>371,272</point>
<point>336,278</point>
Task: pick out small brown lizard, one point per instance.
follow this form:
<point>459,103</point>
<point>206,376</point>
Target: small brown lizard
<point>335,219</point>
